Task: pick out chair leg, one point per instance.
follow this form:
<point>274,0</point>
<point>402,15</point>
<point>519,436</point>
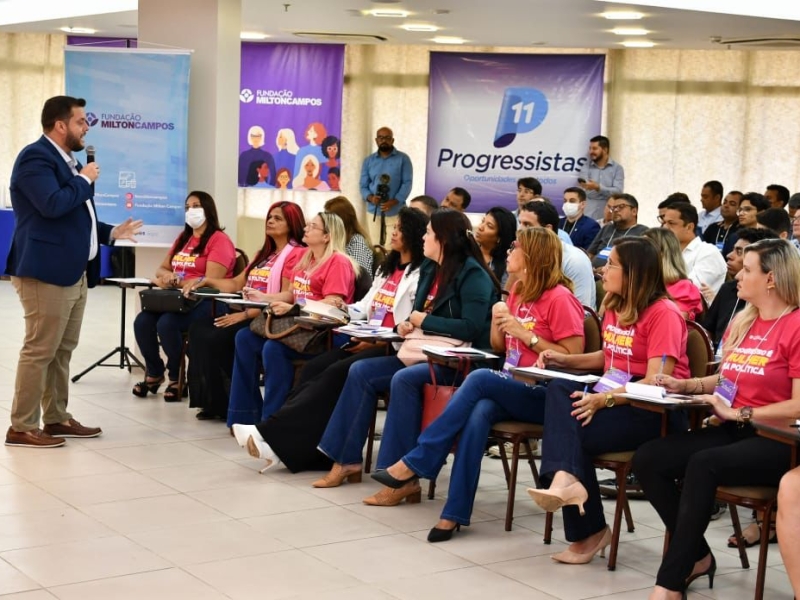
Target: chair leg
<point>501,447</point>
<point>512,483</point>
<point>737,531</point>
<point>431,489</point>
<point>761,573</point>
<point>622,498</point>
<point>370,441</point>
<point>182,371</point>
<point>628,516</point>
<point>548,528</point>
<point>532,463</point>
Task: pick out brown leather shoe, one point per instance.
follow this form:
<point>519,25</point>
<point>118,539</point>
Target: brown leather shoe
<point>73,430</point>
<point>33,439</point>
<point>337,475</point>
<point>410,492</point>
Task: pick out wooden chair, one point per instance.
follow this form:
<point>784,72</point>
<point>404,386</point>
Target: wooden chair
<point>699,350</point>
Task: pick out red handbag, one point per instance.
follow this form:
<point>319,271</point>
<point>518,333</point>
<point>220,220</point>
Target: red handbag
<point>436,396</point>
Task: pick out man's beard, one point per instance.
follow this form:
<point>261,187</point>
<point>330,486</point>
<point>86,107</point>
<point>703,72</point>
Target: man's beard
<point>74,143</point>
<point>385,147</point>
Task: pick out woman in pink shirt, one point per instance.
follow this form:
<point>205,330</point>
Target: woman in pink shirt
<point>681,289</point>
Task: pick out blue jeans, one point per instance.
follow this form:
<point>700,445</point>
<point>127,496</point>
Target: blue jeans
<point>344,437</point>
<point>404,416</point>
<point>246,405</point>
<point>168,328</point>
<point>568,446</point>
<point>486,397</point>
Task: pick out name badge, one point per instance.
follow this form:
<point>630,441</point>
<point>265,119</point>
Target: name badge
<point>512,360</point>
<point>726,390</point>
<point>604,252</point>
<point>611,380</point>
<point>720,245</point>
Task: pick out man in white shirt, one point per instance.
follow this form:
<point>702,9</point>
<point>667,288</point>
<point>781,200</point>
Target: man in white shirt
<point>704,263</point>
<point>711,199</point>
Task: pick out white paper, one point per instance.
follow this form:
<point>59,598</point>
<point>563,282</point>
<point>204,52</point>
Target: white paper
<point>368,331</point>
<point>550,374</point>
<point>450,351</point>
<point>325,310</point>
<point>242,302</point>
<point>130,280</point>
<point>219,295</point>
<point>646,391</point>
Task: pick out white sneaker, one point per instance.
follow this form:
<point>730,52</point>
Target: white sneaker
<point>242,432</point>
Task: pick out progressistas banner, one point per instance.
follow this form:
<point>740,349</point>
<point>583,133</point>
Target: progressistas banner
<point>137,108</point>
<point>290,116</point>
<point>494,118</point>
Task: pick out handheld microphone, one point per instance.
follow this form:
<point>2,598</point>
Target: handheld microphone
<point>89,154</point>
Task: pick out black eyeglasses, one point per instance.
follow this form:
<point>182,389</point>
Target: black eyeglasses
<point>619,207</point>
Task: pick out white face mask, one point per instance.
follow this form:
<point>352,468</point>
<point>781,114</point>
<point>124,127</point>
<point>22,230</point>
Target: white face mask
<point>195,217</point>
<point>570,210</point>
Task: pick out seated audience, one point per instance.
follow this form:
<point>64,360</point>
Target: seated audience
<point>643,334</point>
<point>326,273</point>
<point>777,196</point>
<point>680,288</point>
<point>750,205</point>
<point>212,341</point>
<point>201,250</point>
<point>457,199</point>
<point>673,198</point>
<point>756,380</point>
<point>711,199</point>
<point>494,236</point>
<point>776,219</point>
<point>624,216</point>
<point>424,203</point>
<point>794,204</point>
<point>528,188</point>
<point>291,435</point>
<point>723,233</point>
<point>581,228</point>
<point>541,314</point>
<point>357,244</point>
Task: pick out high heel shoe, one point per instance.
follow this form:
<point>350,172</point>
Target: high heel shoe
<point>410,492</point>
<point>442,535</point>
<point>389,481</point>
<point>337,475</point>
<point>581,558</point>
<point>551,500</point>
<point>712,568</point>
<point>171,393</point>
<point>142,388</point>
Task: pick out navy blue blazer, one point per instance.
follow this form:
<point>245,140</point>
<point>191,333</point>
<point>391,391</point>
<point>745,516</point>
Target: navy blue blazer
<point>52,225</point>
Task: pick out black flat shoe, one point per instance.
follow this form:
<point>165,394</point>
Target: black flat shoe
<point>205,415</point>
<point>442,535</point>
<point>712,568</point>
<point>389,481</point>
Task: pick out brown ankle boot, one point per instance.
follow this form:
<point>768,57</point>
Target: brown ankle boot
<point>410,492</point>
<point>338,474</point>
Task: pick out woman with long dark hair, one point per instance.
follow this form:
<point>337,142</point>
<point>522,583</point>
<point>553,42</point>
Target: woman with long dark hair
<point>201,250</point>
<point>455,295</point>
<point>644,334</point>
<point>494,235</point>
<point>212,341</point>
<point>291,435</point>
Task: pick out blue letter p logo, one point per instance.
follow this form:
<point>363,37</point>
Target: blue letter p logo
<point>523,110</point>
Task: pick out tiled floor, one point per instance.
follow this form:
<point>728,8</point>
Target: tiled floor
<point>165,506</point>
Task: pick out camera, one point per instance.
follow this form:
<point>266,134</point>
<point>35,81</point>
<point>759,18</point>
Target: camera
<point>383,188</point>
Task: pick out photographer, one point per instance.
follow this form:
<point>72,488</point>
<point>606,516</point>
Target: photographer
<point>385,184</point>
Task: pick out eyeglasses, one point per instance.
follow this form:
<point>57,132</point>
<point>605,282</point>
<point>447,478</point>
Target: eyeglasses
<point>315,226</point>
<point>609,265</point>
<point>515,245</point>
<point>619,207</point>
<point>383,137</point>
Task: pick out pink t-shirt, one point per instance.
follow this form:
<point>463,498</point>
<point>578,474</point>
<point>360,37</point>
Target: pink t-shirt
<point>660,330</point>
<point>765,363</point>
<point>428,306</point>
<point>219,249</point>
<point>334,276</point>
<point>687,297</point>
<point>556,315</point>
<point>259,275</point>
<point>385,298</point>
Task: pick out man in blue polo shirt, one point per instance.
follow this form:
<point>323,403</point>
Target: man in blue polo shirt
<point>600,177</point>
<point>386,178</point>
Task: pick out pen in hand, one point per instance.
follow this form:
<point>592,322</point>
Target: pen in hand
<point>585,390</point>
<point>661,369</point>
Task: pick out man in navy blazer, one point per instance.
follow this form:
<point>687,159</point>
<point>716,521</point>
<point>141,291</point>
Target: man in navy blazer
<point>54,258</point>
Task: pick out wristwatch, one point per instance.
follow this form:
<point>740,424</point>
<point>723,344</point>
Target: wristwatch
<point>534,341</point>
<point>610,400</point>
<point>745,414</point>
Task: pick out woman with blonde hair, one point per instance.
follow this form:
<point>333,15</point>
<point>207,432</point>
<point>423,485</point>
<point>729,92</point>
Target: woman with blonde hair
<point>541,313</point>
<point>308,176</point>
<point>680,288</point>
<point>759,377</point>
<point>325,273</point>
<point>287,150</point>
<point>358,245</point>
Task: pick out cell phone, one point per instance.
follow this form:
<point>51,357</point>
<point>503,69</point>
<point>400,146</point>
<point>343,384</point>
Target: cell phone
<point>581,180</point>
<point>348,345</point>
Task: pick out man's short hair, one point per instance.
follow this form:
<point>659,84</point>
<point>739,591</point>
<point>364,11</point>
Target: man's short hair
<point>756,199</point>
<point>751,235</point>
<point>783,193</point>
<point>465,196</point>
<point>545,213</point>
<point>530,183</point>
<point>601,141</point>
<point>776,219</point>
<point>627,198</point>
<point>674,198</point>
<point>59,108</point>
<point>427,201</point>
<point>576,190</point>
<point>715,187</point>
<point>794,201</point>
<point>687,211</point>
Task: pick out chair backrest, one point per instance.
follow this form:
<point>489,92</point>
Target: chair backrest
<point>241,262</point>
<point>379,255</point>
<point>601,293</point>
<point>700,317</point>
<point>593,338</point>
<point>363,283</point>
<point>699,350</point>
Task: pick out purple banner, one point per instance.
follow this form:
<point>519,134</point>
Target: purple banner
<point>495,118</point>
<point>290,116</point>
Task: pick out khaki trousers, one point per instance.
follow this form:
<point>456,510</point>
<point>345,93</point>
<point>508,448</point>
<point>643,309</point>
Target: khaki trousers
<point>53,316</point>
<point>374,227</point>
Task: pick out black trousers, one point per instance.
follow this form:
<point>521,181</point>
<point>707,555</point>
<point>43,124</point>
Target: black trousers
<point>296,429</point>
<point>703,459</point>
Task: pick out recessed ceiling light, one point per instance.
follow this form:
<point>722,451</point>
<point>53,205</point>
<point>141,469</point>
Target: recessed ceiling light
<point>419,27</point>
<point>623,15</point>
<point>391,13</point>
<point>638,44</point>
<point>629,31</point>
<point>79,30</point>
<point>253,35</point>
<point>444,39</point>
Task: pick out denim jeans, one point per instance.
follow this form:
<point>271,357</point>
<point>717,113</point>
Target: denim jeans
<point>151,327</point>
<point>344,437</point>
<point>485,398</point>
<point>568,446</point>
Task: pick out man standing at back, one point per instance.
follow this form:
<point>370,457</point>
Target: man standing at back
<point>600,177</point>
<point>386,178</point>
<point>54,258</point>
<point>711,199</point>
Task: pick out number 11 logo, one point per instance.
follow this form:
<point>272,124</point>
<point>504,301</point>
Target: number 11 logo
<point>523,110</point>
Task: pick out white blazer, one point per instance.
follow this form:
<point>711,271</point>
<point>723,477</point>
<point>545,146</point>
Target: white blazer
<point>403,299</point>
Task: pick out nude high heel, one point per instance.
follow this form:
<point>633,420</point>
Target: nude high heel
<point>411,492</point>
<point>337,475</point>
<point>551,500</point>
<point>577,558</point>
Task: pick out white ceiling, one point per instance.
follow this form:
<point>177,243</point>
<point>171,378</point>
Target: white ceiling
<point>543,23</point>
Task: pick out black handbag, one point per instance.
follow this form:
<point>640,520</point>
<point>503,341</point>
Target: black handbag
<point>166,301</point>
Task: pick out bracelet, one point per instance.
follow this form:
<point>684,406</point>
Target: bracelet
<point>699,386</point>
